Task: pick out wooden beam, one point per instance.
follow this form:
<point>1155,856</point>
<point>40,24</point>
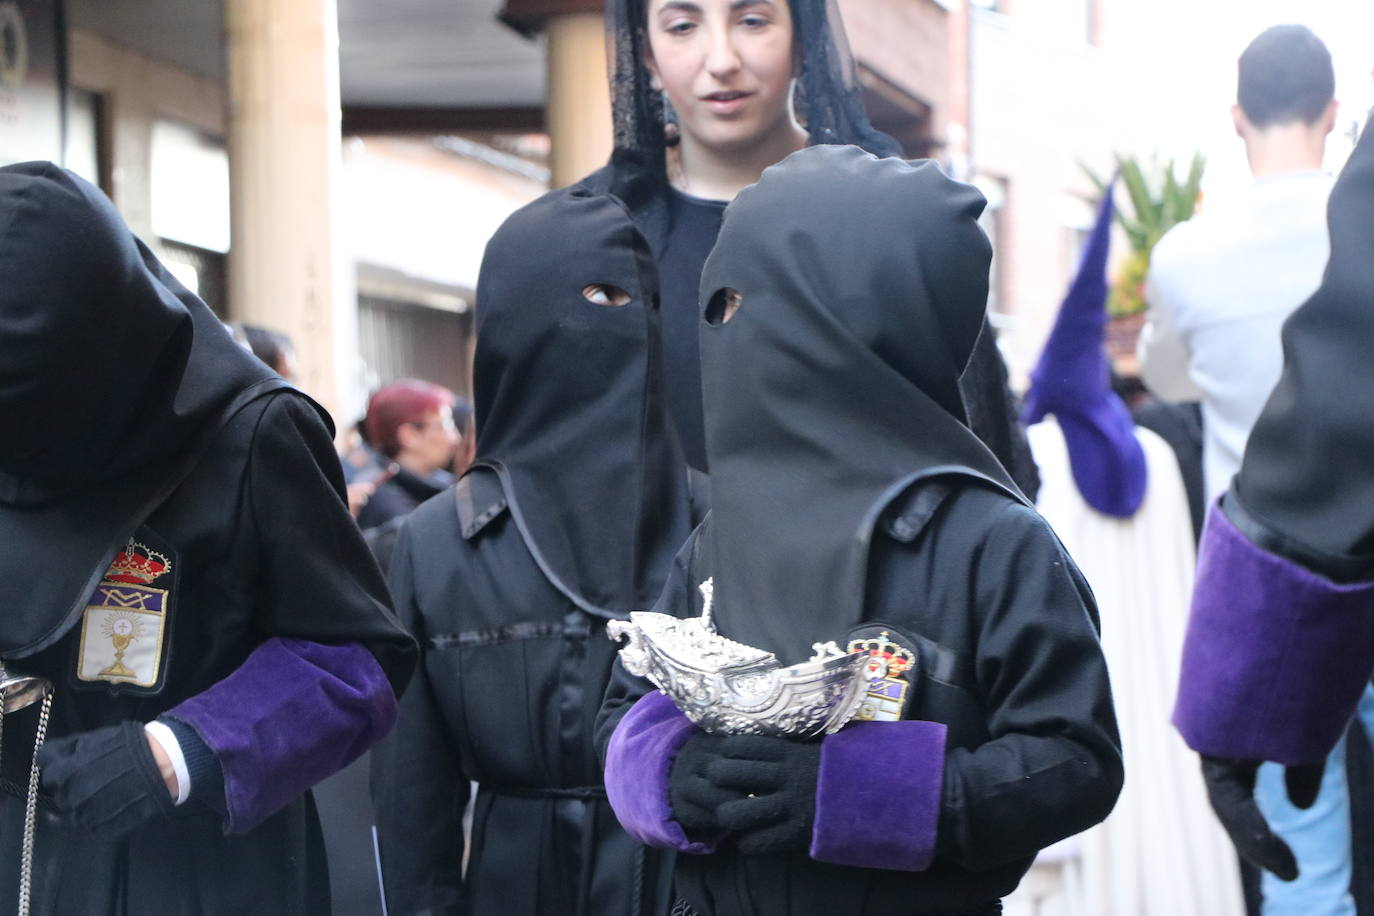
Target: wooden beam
<point>528,16</point>
<point>377,119</point>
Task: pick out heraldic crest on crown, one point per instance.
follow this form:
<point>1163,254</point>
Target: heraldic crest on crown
<point>138,564</point>
<point>728,688</point>
<point>124,626</point>
<point>886,664</point>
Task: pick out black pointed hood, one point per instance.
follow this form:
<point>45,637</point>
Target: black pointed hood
<point>112,376</point>
<point>567,401</point>
<point>863,284</point>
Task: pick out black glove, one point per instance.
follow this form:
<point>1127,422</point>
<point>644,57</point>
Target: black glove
<point>693,797</point>
<point>106,779</point>
<point>1231,790</point>
<point>773,784</point>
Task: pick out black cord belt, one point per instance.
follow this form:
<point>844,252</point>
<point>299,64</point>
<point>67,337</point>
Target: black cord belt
<point>683,908</point>
<point>583,793</point>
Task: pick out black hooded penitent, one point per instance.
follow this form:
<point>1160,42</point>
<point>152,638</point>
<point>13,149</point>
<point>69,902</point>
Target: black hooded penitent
<point>567,403</point>
<point>829,104</point>
<point>834,386</point>
<point>112,375</point>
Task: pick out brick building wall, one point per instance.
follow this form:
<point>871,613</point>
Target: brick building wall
<point>906,43</point>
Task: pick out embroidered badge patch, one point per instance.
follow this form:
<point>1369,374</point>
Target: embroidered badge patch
<point>888,664</point>
<point>123,628</point>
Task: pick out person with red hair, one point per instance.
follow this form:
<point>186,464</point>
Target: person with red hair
<point>410,422</point>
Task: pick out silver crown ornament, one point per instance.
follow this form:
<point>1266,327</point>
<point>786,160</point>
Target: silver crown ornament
<point>728,688</point>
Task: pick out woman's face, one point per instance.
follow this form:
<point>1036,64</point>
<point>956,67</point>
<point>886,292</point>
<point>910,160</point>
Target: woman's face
<point>726,66</point>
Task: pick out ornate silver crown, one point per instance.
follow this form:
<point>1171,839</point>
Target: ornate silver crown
<point>728,688</point>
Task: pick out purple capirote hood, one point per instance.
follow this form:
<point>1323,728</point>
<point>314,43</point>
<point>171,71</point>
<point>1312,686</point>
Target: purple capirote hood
<point>1072,380</point>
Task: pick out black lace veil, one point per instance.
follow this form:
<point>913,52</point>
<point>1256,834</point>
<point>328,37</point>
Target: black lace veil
<point>828,98</point>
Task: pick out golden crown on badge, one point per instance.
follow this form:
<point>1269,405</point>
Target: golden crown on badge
<point>138,563</point>
<point>886,658</point>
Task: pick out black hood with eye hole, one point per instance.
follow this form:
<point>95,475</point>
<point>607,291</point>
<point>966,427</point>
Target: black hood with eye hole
<point>568,405</point>
<point>113,376</point>
<point>836,384</point>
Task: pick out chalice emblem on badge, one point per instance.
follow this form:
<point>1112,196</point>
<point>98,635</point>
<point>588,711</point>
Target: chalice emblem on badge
<point>122,629</point>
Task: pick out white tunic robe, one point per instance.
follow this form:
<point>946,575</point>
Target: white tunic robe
<point>1161,852</point>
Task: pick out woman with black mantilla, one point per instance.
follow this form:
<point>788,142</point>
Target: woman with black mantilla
<point>569,517</point>
<point>866,513</point>
<point>738,87</point>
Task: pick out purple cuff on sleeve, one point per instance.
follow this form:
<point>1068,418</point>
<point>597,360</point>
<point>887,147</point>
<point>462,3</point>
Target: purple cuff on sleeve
<point>293,713</point>
<point>878,796</point>
<point>638,761</point>
<point>1275,658</point>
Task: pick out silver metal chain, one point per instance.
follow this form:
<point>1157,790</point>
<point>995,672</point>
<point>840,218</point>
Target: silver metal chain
<point>31,809</point>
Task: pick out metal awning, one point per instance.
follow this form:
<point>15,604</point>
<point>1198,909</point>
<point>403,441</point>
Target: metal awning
<point>394,54</point>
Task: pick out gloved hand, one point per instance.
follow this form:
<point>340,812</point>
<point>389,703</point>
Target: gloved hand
<point>106,779</point>
<point>1231,790</point>
<point>773,782</point>
<point>693,797</point>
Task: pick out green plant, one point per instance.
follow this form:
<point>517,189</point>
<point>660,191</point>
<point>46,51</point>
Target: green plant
<point>1158,202</point>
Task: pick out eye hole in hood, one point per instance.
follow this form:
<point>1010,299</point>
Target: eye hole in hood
<point>605,294</point>
<point>725,302</point>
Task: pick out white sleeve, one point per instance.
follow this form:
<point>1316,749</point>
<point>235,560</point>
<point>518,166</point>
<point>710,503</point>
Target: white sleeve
<point>169,743</point>
<point>1162,351</point>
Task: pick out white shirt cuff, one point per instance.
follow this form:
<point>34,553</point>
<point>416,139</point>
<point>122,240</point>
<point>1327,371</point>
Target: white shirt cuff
<point>168,740</point>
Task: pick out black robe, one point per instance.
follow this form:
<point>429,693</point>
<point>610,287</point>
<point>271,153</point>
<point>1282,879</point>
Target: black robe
<point>1004,628</point>
<point>260,544</point>
<point>512,677</point>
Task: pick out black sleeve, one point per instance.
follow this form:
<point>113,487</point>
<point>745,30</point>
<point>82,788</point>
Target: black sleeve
<point>1053,765</point>
<point>418,788</point>
<point>316,577</point>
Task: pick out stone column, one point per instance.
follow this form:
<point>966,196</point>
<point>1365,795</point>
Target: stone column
<point>577,110</point>
<point>287,266</point>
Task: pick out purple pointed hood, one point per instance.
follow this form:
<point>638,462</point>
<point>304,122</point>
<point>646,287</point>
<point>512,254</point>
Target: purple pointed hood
<point>1072,380</point>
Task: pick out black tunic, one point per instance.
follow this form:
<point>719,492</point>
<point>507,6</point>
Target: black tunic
<point>260,545</point>
<point>1004,627</point>
<point>512,677</point>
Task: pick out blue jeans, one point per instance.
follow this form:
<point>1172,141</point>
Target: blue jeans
<point>1319,836</point>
